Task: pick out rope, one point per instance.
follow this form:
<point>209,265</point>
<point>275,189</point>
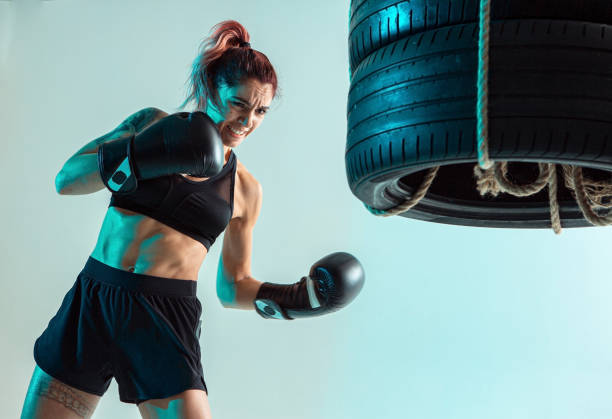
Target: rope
<point>599,193</point>
<point>501,170</point>
<point>555,217</point>
<point>482,102</point>
<point>590,195</point>
<point>411,201</point>
<point>491,177</point>
<point>495,180</point>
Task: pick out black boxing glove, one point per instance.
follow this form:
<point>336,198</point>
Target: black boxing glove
<point>333,282</point>
<point>179,143</point>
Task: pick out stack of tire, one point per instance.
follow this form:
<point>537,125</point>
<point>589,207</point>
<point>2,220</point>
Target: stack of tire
<point>412,103</point>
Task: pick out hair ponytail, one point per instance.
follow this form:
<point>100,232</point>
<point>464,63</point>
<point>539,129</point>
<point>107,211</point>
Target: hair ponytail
<point>225,35</point>
<point>222,60</point>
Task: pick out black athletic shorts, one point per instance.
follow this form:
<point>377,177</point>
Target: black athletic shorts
<point>143,330</point>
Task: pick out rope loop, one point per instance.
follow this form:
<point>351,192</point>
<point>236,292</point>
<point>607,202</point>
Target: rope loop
<point>501,170</point>
<point>412,200</point>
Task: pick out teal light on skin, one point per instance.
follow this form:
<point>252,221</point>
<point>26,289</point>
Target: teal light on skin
<point>147,248</point>
<point>174,410</point>
<point>114,252</point>
<point>117,252</point>
<point>41,385</point>
<point>242,108</point>
<point>226,290</point>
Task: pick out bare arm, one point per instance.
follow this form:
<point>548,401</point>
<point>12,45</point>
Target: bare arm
<point>236,288</point>
<point>80,174</point>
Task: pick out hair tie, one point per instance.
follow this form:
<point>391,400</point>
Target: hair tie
<point>244,44</point>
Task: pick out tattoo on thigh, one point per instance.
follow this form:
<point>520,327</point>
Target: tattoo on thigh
<point>55,390</point>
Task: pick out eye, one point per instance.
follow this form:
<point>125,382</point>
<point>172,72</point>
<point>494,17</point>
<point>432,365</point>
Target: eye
<point>238,104</point>
<point>262,111</point>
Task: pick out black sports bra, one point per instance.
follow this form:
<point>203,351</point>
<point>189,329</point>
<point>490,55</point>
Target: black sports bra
<point>199,209</point>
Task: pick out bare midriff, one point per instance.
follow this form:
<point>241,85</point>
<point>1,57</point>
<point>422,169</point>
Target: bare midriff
<point>137,243</point>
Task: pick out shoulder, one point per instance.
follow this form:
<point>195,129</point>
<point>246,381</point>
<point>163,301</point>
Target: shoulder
<point>143,118</point>
<point>249,186</point>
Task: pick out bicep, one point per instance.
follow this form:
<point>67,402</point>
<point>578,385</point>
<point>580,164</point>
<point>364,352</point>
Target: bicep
<point>235,261</point>
<point>238,238</point>
<point>237,249</point>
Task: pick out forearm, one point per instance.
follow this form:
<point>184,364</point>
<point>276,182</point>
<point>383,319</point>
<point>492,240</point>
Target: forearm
<point>245,292</point>
<point>239,294</point>
<point>80,175</point>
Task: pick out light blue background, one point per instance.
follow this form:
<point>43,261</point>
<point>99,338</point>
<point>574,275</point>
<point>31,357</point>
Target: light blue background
<point>453,322</point>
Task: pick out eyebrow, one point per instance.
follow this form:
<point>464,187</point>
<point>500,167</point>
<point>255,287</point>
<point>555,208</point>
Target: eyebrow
<point>246,102</point>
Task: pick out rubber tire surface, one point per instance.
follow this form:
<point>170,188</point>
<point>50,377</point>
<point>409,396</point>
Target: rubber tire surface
<point>376,23</point>
<point>412,106</point>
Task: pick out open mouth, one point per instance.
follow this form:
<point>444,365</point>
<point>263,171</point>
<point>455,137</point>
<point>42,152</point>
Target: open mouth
<point>236,133</point>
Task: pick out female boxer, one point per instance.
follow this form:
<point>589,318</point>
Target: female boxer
<point>176,184</point>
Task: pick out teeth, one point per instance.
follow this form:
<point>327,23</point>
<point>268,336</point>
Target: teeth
<point>238,132</point>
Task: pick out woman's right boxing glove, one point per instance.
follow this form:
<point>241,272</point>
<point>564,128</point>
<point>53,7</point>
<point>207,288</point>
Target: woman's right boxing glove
<point>179,143</point>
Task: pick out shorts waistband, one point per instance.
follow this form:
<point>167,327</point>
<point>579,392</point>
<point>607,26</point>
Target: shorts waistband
<point>149,284</point>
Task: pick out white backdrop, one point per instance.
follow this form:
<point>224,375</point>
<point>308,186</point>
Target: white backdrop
<point>453,322</point>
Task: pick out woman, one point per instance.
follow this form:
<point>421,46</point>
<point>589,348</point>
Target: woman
<point>133,313</point>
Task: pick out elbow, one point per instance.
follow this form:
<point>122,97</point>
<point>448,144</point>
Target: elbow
<point>60,183</point>
<point>225,286</point>
<point>225,304</point>
<point>226,297</point>
<point>226,293</point>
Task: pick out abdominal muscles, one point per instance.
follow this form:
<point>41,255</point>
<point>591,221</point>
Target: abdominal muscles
<point>136,243</point>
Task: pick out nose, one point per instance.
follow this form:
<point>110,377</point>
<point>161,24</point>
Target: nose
<point>245,119</point>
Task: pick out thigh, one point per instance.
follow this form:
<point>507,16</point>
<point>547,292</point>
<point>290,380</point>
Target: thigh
<point>190,404</point>
<point>50,398</point>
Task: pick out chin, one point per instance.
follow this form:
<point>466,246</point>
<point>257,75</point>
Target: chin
<point>233,142</point>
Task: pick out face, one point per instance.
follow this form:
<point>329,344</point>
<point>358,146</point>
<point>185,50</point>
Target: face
<point>242,108</point>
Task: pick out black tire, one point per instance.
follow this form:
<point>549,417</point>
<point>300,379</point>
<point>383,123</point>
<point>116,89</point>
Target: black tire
<point>412,106</point>
<point>376,23</point>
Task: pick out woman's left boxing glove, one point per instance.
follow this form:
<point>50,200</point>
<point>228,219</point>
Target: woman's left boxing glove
<point>333,282</point>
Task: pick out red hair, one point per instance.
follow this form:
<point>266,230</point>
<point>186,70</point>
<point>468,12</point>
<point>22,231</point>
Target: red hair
<point>224,58</point>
